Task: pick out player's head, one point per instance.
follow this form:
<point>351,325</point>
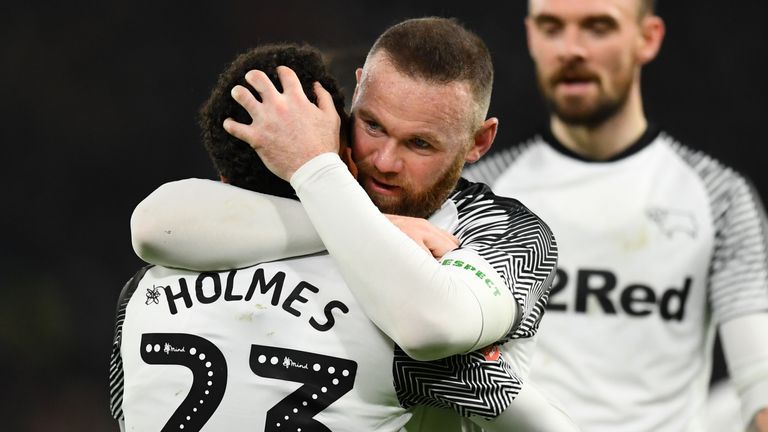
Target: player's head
<point>419,113</point>
<point>235,160</point>
<point>588,54</point>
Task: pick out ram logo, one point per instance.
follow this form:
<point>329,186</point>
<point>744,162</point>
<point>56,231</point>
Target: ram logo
<point>671,222</point>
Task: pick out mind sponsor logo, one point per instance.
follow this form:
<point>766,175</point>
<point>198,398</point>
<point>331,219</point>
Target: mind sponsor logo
<point>289,363</point>
<point>168,348</point>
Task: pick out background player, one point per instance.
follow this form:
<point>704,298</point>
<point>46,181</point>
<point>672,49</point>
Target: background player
<point>658,242</point>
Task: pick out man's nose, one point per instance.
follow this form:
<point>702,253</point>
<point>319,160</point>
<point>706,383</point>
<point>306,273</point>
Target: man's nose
<point>388,158</point>
<point>571,47</point>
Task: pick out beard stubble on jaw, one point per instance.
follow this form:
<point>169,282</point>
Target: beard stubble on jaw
<point>419,204</point>
<point>605,107</point>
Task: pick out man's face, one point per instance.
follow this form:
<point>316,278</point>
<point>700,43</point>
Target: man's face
<point>586,55</point>
<point>410,138</point>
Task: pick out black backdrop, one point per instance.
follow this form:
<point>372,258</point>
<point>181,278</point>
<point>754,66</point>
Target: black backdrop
<point>98,102</point>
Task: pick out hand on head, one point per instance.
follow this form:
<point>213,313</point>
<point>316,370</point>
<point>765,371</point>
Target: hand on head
<point>287,129</point>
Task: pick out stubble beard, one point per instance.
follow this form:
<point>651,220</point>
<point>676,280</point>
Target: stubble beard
<point>582,112</point>
<point>416,204</point>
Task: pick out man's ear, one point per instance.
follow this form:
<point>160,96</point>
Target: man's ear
<point>652,31</point>
<point>358,76</point>
<point>483,139</point>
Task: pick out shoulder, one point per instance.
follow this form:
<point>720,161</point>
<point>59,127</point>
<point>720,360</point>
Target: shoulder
<point>130,287</point>
<point>493,165</point>
<point>499,222</point>
<point>708,168</point>
<point>724,184</point>
<point>477,199</point>
<point>125,297</point>
<point>470,194</point>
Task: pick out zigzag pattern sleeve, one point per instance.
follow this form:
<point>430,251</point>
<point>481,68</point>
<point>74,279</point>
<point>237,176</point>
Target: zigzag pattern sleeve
<point>738,282</point>
<point>469,384</point>
<point>116,381</point>
<point>518,244</point>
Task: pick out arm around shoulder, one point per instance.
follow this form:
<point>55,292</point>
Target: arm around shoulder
<point>208,225</point>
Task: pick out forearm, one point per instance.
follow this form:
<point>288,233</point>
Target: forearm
<point>746,350</point>
<point>208,225</point>
<point>530,411</point>
<point>431,310</point>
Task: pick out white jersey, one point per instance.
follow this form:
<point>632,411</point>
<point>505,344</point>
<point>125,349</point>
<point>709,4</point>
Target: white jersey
<point>285,346</point>
<point>277,346</point>
<point>655,247</point>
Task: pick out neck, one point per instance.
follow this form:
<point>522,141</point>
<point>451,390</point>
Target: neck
<point>609,138</point>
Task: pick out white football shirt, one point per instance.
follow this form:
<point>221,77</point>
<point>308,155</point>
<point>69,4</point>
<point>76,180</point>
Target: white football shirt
<point>655,247</point>
<point>284,344</point>
<point>277,346</point>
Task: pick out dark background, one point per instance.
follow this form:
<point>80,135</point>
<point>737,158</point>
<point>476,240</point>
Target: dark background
<point>98,104</point>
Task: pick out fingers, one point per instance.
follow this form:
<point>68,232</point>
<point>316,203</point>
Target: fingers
<point>268,92</point>
<point>262,84</point>
<point>237,130</point>
<point>246,99</point>
<point>436,241</point>
<point>439,245</point>
<point>293,87</point>
<point>324,99</point>
<point>289,80</point>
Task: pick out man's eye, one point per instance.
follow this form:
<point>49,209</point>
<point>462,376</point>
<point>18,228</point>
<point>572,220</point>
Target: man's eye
<point>420,144</point>
<point>550,29</point>
<point>372,126</point>
<point>601,27</point>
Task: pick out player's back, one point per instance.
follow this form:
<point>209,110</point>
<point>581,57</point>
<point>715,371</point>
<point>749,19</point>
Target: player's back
<point>281,346</point>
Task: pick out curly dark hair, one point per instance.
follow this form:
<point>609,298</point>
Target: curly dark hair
<point>235,160</point>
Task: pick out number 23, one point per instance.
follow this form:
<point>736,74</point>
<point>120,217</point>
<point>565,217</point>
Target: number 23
<point>325,379</point>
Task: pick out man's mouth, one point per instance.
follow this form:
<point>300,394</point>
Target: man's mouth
<point>575,80</point>
<point>575,84</point>
<point>383,187</point>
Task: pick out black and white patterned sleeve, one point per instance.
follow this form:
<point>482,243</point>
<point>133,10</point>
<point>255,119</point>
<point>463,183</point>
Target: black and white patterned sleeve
<point>481,383</point>
<point>116,383</point>
<point>739,279</point>
<point>738,282</point>
<point>518,244</point>
<point>522,249</point>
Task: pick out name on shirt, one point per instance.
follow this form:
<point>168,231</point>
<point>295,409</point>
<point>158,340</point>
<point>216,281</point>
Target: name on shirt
<point>209,288</point>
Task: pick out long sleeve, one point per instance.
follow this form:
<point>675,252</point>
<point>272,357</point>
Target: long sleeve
<point>208,225</point>
<point>414,299</point>
<point>745,346</point>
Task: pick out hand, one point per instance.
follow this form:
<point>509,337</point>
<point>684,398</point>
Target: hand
<point>287,129</point>
<point>760,423</point>
<point>433,240</point>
